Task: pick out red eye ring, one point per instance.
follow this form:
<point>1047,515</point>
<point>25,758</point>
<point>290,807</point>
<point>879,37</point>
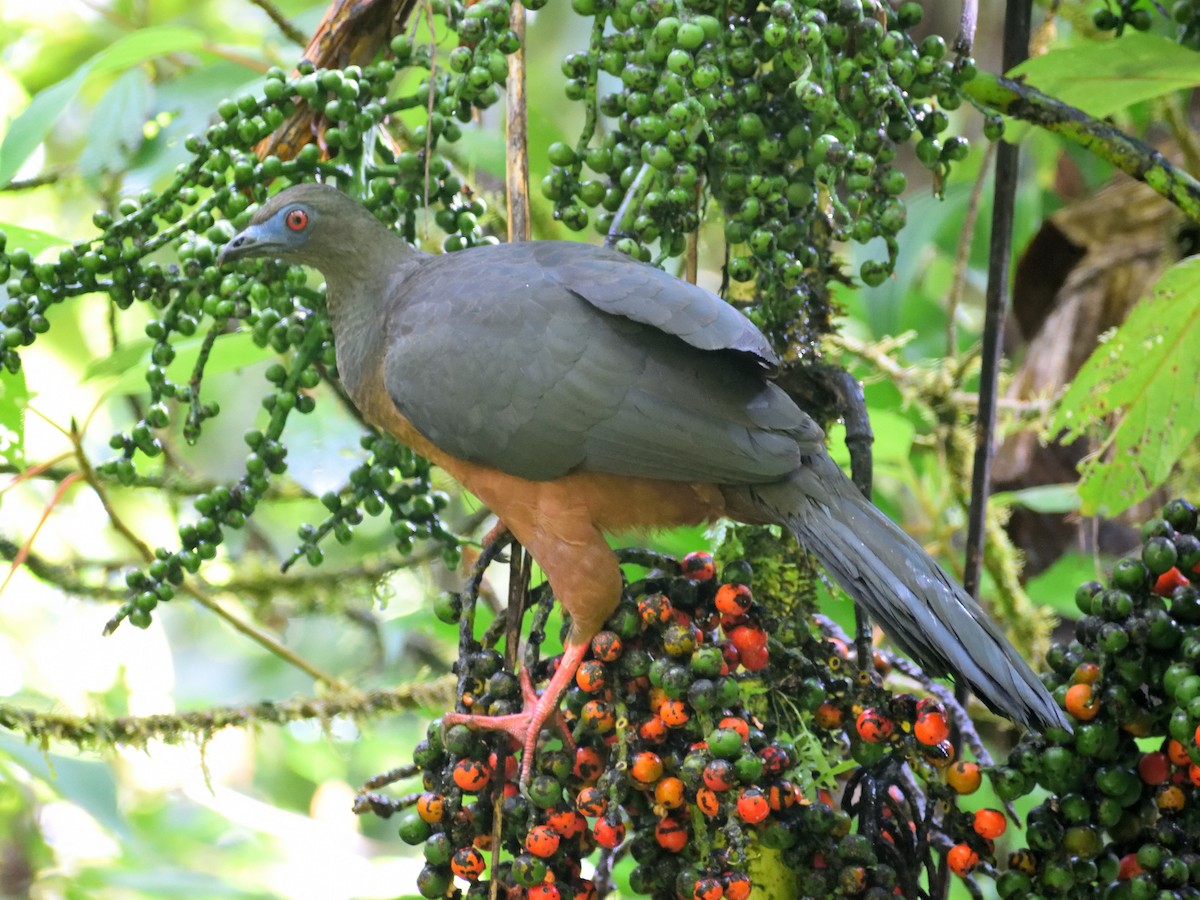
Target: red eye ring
<point>296,220</point>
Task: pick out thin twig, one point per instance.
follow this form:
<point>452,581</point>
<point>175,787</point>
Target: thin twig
<point>290,31</point>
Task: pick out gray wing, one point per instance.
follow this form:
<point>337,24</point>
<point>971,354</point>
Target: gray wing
<point>495,360</point>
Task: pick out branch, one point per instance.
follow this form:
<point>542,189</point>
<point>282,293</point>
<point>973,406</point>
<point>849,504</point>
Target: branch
<point>1131,156</point>
<point>99,732</point>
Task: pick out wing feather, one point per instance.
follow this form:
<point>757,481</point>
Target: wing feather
<point>529,375</point>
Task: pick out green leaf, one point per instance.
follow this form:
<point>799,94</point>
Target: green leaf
<point>128,364</point>
<point>1102,78</point>
<point>1144,382</point>
<point>35,122</point>
<point>14,396</point>
<point>30,238</point>
<point>1045,498</point>
<point>32,126</point>
<point>1055,587</point>
<point>116,124</point>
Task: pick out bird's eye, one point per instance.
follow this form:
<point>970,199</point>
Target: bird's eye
<point>296,220</point>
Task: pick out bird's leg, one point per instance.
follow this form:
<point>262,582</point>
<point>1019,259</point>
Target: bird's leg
<point>586,580</point>
<point>525,726</point>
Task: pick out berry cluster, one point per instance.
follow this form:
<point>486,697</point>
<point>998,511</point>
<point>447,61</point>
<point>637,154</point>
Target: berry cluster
<point>675,757</point>
<point>788,114</point>
<point>1124,815</point>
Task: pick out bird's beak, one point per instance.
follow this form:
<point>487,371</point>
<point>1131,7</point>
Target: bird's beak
<point>255,240</point>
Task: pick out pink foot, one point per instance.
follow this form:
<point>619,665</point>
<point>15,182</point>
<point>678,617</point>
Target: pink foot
<point>539,711</point>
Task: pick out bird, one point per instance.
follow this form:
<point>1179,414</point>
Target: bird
<point>576,391</point>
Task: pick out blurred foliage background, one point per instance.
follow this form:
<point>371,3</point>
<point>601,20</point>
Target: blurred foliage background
<point>265,810</point>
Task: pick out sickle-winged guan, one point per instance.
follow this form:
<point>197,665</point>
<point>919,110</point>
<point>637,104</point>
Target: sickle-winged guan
<point>576,391</point>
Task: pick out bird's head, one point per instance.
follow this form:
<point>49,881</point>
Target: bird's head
<point>310,224</point>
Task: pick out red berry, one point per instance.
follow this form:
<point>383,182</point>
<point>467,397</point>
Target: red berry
<point>873,726</point>
<point>671,834</point>
<point>931,728</point>
<point>752,806</point>
<point>1154,768</point>
<point>962,859</point>
<point>698,566</point>
<point>990,823</point>
<point>609,832</point>
<point>542,841</point>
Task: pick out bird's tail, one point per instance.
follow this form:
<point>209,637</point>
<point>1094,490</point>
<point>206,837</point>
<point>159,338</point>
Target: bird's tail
<point>918,605</point>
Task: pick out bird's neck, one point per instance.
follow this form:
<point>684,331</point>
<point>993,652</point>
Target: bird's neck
<point>357,297</point>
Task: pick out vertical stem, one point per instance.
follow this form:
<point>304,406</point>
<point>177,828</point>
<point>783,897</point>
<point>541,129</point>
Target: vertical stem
<point>517,129</point>
<point>1016,48</point>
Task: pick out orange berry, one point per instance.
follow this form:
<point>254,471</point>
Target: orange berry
<point>589,764</point>
<point>472,775</point>
<point>1086,673</point>
<point>964,777</point>
<point>668,793</point>
<point>1177,753</point>
<point>674,713</point>
<point>647,767</point>
<point>781,795</point>
<point>653,731</point>
<point>598,716</point>
<point>542,841</point>
<point>751,644</point>
<point>990,823</point>
<point>1081,702</point>
<point>737,886</point>
<point>468,863</point>
<point>719,775</point>
<point>1129,867</point>
<point>544,891</point>
<point>431,807</point>
<point>962,859</point>
<point>590,676</point>
<point>655,609</point>
<point>567,823</point>
<point>607,646</point>
<point>591,802</point>
<point>708,801</point>
<point>733,599</point>
<point>1170,798</point>
<point>828,716</point>
<point>738,724</point>
<point>708,888</point>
